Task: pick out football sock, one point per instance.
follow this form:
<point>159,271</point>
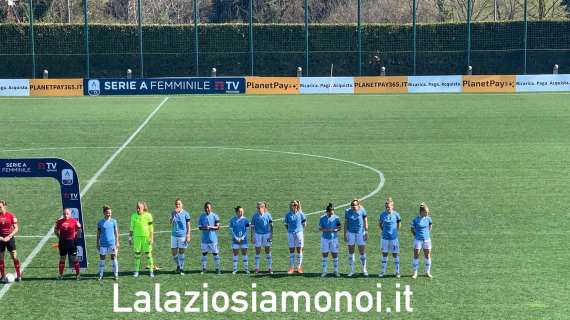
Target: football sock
<point>17,267</point>
<point>181,258</point>
<point>335,264</point>
<point>269,260</point>
<point>101,267</point>
<point>300,259</point>
<point>76,267</point>
<point>384,262</point>
<point>2,268</point>
<point>363,261</point>
<point>291,260</point>
<point>257,261</point>
<point>115,265</point>
<point>217,262</point>
<point>235,262</point>
<point>137,262</point>
<point>325,264</point>
<point>415,264</point>
<point>428,265</point>
<point>351,262</point>
<point>61,267</point>
<point>397,264</point>
<point>245,262</point>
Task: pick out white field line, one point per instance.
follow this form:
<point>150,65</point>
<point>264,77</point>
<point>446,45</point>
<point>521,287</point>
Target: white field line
<point>248,96</point>
<point>90,183</point>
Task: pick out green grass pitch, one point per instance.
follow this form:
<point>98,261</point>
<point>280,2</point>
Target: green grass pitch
<point>493,168</point>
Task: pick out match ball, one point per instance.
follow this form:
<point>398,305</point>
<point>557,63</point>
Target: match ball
<point>10,277</point>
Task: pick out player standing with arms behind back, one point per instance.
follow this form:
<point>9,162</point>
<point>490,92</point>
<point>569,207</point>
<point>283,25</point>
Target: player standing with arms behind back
<point>8,229</point>
<point>209,223</point>
<point>108,242</point>
<point>295,222</point>
<point>66,229</point>
<point>141,236</point>
<point>389,222</point>
<point>180,236</point>
<point>421,228</point>
<point>262,235</point>
<point>329,224</point>
<point>356,234</point>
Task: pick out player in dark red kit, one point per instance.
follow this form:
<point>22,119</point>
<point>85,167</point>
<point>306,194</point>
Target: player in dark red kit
<point>8,228</point>
<point>66,230</point>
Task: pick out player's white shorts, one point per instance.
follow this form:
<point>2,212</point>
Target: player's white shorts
<point>242,245</point>
<point>262,240</point>
<point>422,244</point>
<point>390,246</point>
<point>329,245</point>
<point>107,250</point>
<point>355,238</point>
<point>209,247</point>
<point>296,239</point>
<point>178,242</point>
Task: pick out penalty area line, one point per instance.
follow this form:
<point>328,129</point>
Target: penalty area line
<point>90,183</point>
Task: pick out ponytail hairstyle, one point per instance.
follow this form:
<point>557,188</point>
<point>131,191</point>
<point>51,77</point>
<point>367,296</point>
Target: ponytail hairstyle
<point>425,208</point>
<point>329,208</point>
<point>2,201</point>
<point>297,203</point>
<point>236,209</point>
<point>106,208</point>
<point>206,204</point>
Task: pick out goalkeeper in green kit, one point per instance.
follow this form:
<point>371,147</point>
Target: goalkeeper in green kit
<point>141,236</point>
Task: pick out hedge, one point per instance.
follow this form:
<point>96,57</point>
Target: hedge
<point>169,50</point>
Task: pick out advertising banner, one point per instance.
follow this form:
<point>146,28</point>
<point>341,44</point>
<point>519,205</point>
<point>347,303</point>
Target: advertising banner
<point>380,84</point>
<point>327,85</point>
<point>14,87</point>
<point>56,87</point>
<point>543,82</point>
<point>434,84</point>
<point>270,85</point>
<point>96,87</point>
<point>489,83</point>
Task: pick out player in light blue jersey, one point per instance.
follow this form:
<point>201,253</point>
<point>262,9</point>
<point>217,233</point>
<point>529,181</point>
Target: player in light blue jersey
<point>295,223</point>
<point>209,223</point>
<point>389,222</point>
<point>329,224</point>
<point>262,235</point>
<point>180,235</point>
<point>421,229</point>
<point>238,229</point>
<point>356,234</point>
<point>108,242</point>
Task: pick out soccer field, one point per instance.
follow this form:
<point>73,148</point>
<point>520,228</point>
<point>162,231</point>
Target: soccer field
<point>494,170</point>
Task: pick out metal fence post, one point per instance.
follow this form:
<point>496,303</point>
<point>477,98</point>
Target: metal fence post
<point>86,40</point>
<point>250,14</point>
<point>196,41</point>
<point>306,38</point>
<point>32,39</point>
<point>359,34</point>
<point>525,40</point>
<point>468,32</point>
<point>139,18</point>
<point>414,36</point>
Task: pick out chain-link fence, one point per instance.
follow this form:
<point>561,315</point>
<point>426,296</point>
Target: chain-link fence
<point>180,38</point>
